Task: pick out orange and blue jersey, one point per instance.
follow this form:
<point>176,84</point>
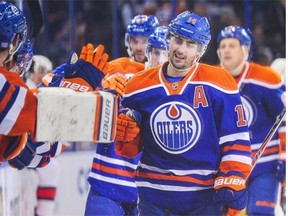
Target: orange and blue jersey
<point>111,175</point>
<point>17,108</point>
<point>18,105</point>
<point>192,129</point>
<point>261,90</point>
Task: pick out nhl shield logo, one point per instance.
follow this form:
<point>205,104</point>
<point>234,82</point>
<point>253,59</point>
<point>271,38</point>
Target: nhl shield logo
<point>176,127</point>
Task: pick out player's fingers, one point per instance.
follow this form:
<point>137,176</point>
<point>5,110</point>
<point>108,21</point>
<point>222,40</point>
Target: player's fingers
<point>97,54</point>
<point>103,61</point>
<point>83,53</point>
<point>121,79</point>
<point>105,68</point>
<point>89,57</point>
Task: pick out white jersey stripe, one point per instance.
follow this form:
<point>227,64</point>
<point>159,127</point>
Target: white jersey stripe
<point>169,187</point>
<point>118,162</point>
<point>178,172</point>
<point>112,180</point>
<point>12,115</point>
<point>238,158</point>
<point>233,137</point>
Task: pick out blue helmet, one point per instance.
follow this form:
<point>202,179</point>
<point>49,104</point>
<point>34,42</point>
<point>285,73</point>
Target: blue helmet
<point>12,22</point>
<point>142,25</point>
<point>235,32</point>
<point>159,38</point>
<point>192,27</point>
<point>23,57</point>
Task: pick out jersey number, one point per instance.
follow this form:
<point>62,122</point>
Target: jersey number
<point>240,114</point>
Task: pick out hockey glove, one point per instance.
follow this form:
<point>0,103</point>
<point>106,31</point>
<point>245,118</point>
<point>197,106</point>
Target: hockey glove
<point>33,154</point>
<point>115,82</point>
<point>20,151</point>
<point>127,125</point>
<point>45,152</point>
<point>281,170</point>
<point>231,193</point>
<point>85,74</point>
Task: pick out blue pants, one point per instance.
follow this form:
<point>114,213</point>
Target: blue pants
<point>147,208</point>
<point>97,204</point>
<point>263,192</point>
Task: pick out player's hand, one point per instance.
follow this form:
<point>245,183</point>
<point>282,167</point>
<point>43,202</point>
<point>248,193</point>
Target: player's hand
<point>95,57</point>
<point>88,71</point>
<point>115,82</point>
<point>231,193</point>
<point>127,125</point>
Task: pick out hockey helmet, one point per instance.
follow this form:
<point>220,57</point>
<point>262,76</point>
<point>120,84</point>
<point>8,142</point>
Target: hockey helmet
<point>235,32</point>
<point>192,27</point>
<point>12,22</point>
<point>159,38</point>
<point>141,26</point>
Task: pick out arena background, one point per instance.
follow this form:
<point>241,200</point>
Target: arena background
<point>67,25</point>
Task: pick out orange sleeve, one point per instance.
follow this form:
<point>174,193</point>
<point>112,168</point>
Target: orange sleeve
<point>18,106</point>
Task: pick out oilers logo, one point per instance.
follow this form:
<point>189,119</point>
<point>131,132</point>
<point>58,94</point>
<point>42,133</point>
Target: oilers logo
<point>248,109</point>
<point>175,126</point>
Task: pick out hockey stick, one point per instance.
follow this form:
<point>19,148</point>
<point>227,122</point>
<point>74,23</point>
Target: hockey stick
<point>267,139</point>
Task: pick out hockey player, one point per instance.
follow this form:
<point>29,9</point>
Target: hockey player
<point>157,47</point>
<point>18,104</point>
<point>193,134</point>
<point>136,38</point>
<point>113,190</point>
<point>262,93</point>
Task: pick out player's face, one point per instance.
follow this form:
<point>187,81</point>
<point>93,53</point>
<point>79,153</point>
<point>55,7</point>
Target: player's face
<point>183,53</point>
<point>137,45</point>
<point>158,56</point>
<point>231,53</point>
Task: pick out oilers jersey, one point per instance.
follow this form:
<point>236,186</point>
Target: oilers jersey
<point>112,175</point>
<point>17,108</point>
<point>191,130</point>
<point>261,90</point>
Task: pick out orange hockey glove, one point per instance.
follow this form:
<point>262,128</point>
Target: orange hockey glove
<point>95,56</point>
<point>87,72</point>
<point>115,82</point>
<point>127,125</point>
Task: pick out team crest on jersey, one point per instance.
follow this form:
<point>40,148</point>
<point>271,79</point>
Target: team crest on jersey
<point>176,127</point>
<point>248,109</point>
